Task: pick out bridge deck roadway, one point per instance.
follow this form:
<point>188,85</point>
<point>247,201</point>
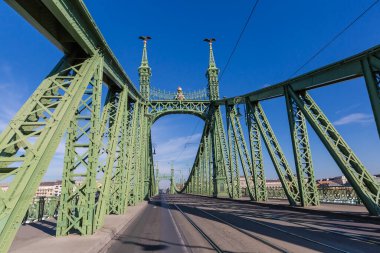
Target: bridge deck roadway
<point>242,227</point>
<point>338,209</point>
<point>232,226</point>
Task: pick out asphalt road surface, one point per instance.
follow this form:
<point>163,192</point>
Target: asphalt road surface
<point>185,223</point>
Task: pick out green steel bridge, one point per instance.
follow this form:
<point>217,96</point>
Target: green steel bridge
<point>112,143</point>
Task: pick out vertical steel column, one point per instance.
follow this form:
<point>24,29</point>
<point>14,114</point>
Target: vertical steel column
<point>127,147</point>
<point>210,167</point>
<point>137,173</point>
<point>221,163</point>
<point>233,168</point>
<point>207,165</point>
<point>302,154</point>
<point>132,154</point>
<point>77,201</point>
<point>372,80</point>
<point>141,155</point>
<point>172,181</point>
<point>257,169</point>
<point>361,180</point>
<point>117,196</point>
<point>200,168</point>
<point>115,116</point>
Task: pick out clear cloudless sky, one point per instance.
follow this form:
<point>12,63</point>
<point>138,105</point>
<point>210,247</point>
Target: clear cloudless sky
<point>280,37</point>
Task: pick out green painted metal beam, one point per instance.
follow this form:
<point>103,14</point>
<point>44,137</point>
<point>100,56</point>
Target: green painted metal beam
<point>371,70</point>
<point>236,153</point>
<point>69,26</point>
<point>57,98</point>
<point>358,176</point>
<point>257,169</point>
<point>114,118</point>
<point>302,154</point>
<point>77,201</point>
<point>284,172</point>
<point>339,71</point>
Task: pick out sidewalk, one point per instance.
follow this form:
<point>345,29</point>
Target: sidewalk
<point>346,210</point>
<point>336,208</point>
<point>40,237</point>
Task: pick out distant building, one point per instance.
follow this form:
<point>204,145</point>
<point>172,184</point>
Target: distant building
<point>269,183</point>
<point>377,178</point>
<point>4,187</point>
<point>326,182</point>
<point>341,180</point>
<point>273,183</point>
<point>243,183</point>
<point>49,189</point>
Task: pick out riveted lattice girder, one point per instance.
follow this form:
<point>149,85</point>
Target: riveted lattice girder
<point>288,181</point>
<point>234,152</point>
<point>132,154</point>
<point>77,204</point>
<point>223,177</point>
<point>371,72</point>
<point>137,157</point>
<point>34,135</point>
<point>159,108</point>
<point>257,169</point>
<point>119,178</point>
<point>361,180</point>
<point>114,111</point>
<point>302,154</point>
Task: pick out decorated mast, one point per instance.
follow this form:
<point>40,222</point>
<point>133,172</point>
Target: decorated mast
<point>145,71</point>
<point>212,74</point>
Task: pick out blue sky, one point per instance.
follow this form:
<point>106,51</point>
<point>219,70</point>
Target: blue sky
<point>280,37</point>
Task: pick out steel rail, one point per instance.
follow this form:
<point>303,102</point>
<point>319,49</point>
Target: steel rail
<point>350,236</point>
<point>301,224</point>
<point>256,237</point>
<point>204,235</point>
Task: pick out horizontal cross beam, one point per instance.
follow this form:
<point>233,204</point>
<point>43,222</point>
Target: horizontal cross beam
<point>70,27</point>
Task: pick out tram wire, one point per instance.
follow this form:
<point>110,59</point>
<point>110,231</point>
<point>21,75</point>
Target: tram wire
<point>239,38</point>
<point>333,39</point>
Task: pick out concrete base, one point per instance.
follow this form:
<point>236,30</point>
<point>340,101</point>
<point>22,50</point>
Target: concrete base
<point>40,237</point>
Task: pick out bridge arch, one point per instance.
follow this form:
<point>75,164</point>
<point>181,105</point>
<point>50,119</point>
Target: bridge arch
<point>159,109</point>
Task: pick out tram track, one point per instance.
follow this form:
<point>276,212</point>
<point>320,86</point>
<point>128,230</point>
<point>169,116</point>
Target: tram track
<point>212,242</point>
<point>347,235</point>
<point>201,207</point>
<point>201,232</point>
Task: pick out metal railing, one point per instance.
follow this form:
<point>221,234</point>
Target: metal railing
<point>328,194</point>
<point>157,94</point>
<point>41,208</point>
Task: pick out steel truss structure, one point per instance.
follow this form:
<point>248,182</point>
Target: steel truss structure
<point>108,163</point>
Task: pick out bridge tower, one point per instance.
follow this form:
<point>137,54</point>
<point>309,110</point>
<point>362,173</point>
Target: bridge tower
<point>212,74</point>
<point>172,182</point>
<point>218,139</point>
<point>145,72</point>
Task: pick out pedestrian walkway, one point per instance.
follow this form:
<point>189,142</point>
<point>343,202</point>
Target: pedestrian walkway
<point>40,237</point>
<point>340,209</point>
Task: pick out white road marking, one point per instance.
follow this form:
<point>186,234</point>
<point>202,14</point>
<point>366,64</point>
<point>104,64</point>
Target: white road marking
<point>178,233</point>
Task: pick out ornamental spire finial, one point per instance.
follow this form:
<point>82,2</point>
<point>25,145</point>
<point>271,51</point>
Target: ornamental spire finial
<point>144,60</point>
<point>211,63</point>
